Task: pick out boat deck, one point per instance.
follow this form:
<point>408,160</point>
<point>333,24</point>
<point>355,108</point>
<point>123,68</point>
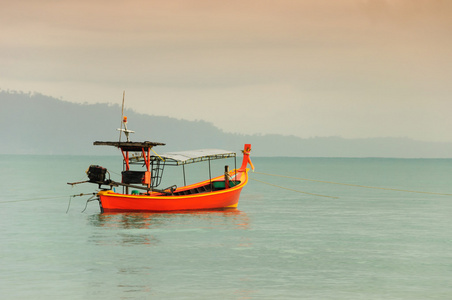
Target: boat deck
<point>197,190</point>
<point>210,187</point>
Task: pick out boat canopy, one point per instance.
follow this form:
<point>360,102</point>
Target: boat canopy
<point>193,156</point>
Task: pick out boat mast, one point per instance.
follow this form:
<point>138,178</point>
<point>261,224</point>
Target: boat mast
<point>125,130</point>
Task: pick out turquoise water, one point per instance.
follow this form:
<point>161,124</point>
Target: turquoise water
<point>279,244</point>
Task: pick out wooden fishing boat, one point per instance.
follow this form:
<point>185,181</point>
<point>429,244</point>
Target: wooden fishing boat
<point>141,190</point>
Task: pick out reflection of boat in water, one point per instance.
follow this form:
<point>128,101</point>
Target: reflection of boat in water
<point>206,219</point>
<point>221,192</point>
<point>151,229</point>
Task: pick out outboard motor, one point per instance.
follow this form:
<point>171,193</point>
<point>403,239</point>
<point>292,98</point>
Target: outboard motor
<point>96,173</point>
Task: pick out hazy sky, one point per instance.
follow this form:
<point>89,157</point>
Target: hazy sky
<point>349,68</point>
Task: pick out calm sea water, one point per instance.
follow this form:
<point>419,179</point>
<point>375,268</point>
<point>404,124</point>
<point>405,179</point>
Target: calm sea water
<point>279,244</point>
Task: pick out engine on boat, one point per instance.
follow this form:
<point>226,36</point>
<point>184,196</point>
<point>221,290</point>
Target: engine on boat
<point>96,173</point>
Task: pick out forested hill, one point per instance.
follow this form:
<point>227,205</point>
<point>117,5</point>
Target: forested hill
<point>38,124</point>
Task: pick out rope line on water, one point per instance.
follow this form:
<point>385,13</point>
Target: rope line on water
<point>281,187</point>
<point>355,185</point>
<point>46,198</point>
<point>34,199</point>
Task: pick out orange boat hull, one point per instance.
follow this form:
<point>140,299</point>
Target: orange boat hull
<point>157,202</point>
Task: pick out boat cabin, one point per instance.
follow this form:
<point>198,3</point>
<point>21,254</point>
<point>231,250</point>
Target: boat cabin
<point>139,153</point>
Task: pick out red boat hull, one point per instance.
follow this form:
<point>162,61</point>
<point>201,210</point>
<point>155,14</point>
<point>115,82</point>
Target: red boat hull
<point>157,202</point>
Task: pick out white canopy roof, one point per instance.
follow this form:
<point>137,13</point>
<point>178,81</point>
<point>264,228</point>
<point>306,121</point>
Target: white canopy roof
<point>188,157</point>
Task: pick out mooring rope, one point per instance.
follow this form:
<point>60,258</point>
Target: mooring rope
<point>79,195</point>
<point>34,199</point>
<point>281,187</point>
<point>89,200</point>
<point>45,198</point>
<point>355,185</point>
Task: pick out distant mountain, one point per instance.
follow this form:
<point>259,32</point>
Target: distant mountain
<point>38,124</point>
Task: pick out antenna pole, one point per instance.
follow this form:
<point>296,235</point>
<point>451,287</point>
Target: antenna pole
<point>122,114</point>
<point>124,122</point>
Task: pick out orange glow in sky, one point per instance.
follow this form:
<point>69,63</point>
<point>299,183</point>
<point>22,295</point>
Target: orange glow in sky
<point>349,68</point>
